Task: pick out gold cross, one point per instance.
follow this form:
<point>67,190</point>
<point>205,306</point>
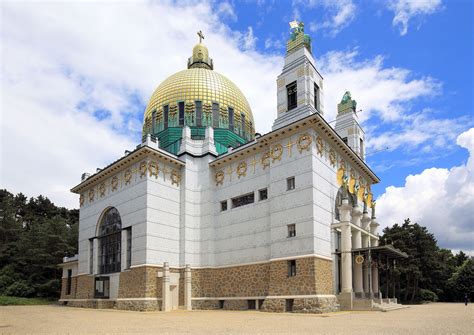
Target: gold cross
<point>253,162</point>
<point>289,145</point>
<point>229,171</point>
<point>201,36</point>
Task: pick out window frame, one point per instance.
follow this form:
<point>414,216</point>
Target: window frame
<point>243,196</point>
<point>260,194</point>
<point>291,230</point>
<point>316,96</point>
<point>215,115</point>
<point>290,183</point>
<point>198,104</point>
<point>128,263</point>
<point>230,112</point>
<point>69,282</point>
<point>292,95</point>
<point>110,242</point>
<point>166,110</point>
<point>181,113</point>
<point>291,268</point>
<point>105,294</point>
<point>224,204</point>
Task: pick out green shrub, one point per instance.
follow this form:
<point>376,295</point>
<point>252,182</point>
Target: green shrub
<point>20,288</point>
<point>49,289</point>
<point>427,295</point>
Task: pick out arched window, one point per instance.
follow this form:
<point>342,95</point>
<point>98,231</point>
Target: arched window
<point>110,240</point>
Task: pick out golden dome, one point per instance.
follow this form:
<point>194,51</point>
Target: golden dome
<point>200,84</point>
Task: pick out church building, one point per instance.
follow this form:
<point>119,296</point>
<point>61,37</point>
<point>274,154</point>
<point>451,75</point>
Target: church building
<point>205,213</point>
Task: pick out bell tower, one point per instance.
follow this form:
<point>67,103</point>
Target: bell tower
<point>347,125</point>
<point>300,85</point>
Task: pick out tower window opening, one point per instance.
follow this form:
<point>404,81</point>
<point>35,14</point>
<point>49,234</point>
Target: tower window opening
<point>316,97</point>
<point>231,119</point>
<point>181,113</point>
<point>344,140</point>
<point>361,147</point>
<point>165,116</point>
<point>198,113</point>
<point>215,115</point>
<point>291,91</point>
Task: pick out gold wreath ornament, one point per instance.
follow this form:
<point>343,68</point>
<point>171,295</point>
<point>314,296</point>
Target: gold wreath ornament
<point>153,169</point>
<point>303,143</point>
<point>359,259</point>
<point>128,176</point>
<point>175,178</point>
<point>276,152</point>
<point>265,160</point>
<point>339,176</point>
<point>219,177</point>
<point>242,169</point>
<point>81,200</point>
<point>143,168</point>
<point>319,145</point>
<point>114,183</point>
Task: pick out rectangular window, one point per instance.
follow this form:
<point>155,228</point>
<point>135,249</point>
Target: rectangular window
<point>198,113</point>
<point>290,183</point>
<point>292,268</point>
<point>361,148</point>
<point>243,200</point>
<point>263,194</point>
<point>344,140</point>
<point>215,115</point>
<point>291,230</point>
<point>224,205</point>
<point>316,97</point>
<point>291,91</point>
<point>165,116</point>
<point>153,122</point>
<point>91,256</point>
<point>129,247</point>
<point>242,118</point>
<point>231,118</point>
<point>181,113</point>
<point>69,281</point>
<point>102,287</point>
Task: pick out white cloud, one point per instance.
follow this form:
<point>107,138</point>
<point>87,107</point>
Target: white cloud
<point>338,14</point>
<point>406,10</point>
<point>63,62</point>
<point>440,199</point>
<point>226,11</point>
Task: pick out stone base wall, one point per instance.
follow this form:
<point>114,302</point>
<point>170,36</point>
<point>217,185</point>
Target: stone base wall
<point>139,305</point>
<point>236,305</point>
<point>315,305</point>
<point>273,305</point>
<point>96,304</point>
<point>64,294</point>
<point>140,282</point>
<point>85,287</point>
<point>205,304</point>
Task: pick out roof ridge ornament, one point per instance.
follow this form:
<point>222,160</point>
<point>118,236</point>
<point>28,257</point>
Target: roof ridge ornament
<point>201,36</point>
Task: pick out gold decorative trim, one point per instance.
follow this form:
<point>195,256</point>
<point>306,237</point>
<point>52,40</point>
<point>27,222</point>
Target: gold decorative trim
<point>102,189</point>
<point>219,177</point>
<point>276,152</point>
<point>81,200</point>
<point>242,169</point>
<point>114,183</point>
<point>143,168</point>
<point>91,195</point>
<point>319,145</point>
<point>128,176</point>
<point>304,141</point>
<point>153,169</point>
<point>175,178</point>
<point>289,146</point>
<point>265,161</point>
<point>359,259</point>
<point>332,157</point>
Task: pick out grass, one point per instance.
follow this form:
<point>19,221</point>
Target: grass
<point>5,301</point>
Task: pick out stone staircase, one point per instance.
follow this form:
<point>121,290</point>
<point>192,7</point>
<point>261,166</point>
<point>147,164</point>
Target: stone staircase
<point>349,302</point>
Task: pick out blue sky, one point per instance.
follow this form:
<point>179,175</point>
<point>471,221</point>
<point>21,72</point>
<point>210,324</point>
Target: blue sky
<point>76,77</point>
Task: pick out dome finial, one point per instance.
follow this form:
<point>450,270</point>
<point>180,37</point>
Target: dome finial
<point>200,57</point>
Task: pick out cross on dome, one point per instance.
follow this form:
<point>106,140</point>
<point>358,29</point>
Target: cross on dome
<point>201,36</point>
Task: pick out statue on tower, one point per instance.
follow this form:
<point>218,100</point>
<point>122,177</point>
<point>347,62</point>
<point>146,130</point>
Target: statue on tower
<point>298,38</point>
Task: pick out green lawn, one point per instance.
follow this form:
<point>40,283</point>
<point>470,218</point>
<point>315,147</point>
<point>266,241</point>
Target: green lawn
<point>4,301</point>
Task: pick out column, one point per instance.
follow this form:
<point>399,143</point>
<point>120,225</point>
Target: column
<point>375,271</point>
<point>187,288</point>
<point>356,244</point>
<point>166,293</point>
<point>346,247</point>
<point>365,222</point>
<point>95,256</point>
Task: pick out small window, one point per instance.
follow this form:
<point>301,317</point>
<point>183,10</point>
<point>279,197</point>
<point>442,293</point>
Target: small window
<point>344,140</point>
<point>290,183</point>
<point>215,115</point>
<point>263,194</point>
<point>224,205</point>
<point>316,97</point>
<point>291,230</point>
<point>198,113</point>
<point>289,305</point>
<point>69,281</point>
<point>243,200</point>
<point>292,268</point>
<point>361,147</point>
<point>102,287</point>
<point>165,116</point>
<point>291,91</point>
<point>231,118</point>
<point>129,247</point>
<point>181,113</point>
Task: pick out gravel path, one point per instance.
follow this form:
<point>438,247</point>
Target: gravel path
<point>438,318</point>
